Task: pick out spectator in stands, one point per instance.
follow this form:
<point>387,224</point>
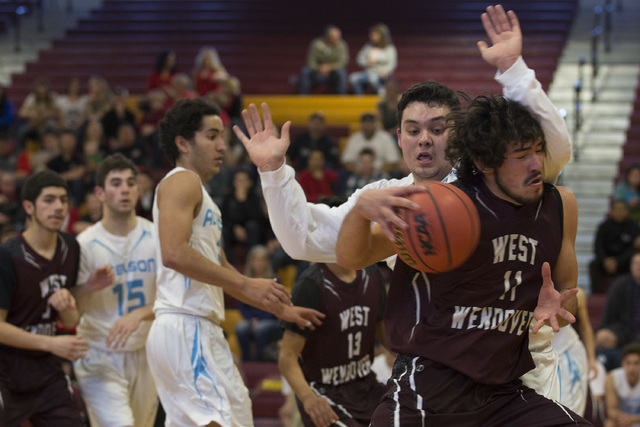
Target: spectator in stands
<point>69,164</point>
<point>620,323</point>
<point>369,136</point>
<point>93,147</point>
<point>39,108</point>
<point>126,142</point>
<point>99,98</point>
<point>72,105</point>
<point>259,331</point>
<point>317,180</point>
<point>7,111</point>
<point>163,71</point>
<point>119,113</point>
<point>182,88</point>
<point>146,189</point>
<point>243,214</point>
<point>378,58</point>
<point>153,108</point>
<point>365,173</point>
<point>327,61</point>
<point>616,240</point>
<point>314,138</point>
<point>229,99</point>
<point>8,156</point>
<point>208,71</point>
<point>38,150</point>
<point>11,216</point>
<point>388,107</point>
<point>92,213</point>
<point>622,390</point>
<point>629,191</point>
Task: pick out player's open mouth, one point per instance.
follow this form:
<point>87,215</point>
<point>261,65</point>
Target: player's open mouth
<point>423,157</point>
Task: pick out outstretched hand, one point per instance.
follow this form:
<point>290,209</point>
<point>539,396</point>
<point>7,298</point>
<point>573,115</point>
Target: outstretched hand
<point>266,149</point>
<point>381,206</point>
<point>503,30</point>
<point>305,318</point>
<point>550,303</point>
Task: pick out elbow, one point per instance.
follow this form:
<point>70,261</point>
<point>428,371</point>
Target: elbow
<point>171,258</point>
<point>349,261</point>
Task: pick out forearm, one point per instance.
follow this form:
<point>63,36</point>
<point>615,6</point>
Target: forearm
<point>519,84</point>
<point>354,242</point>
<point>290,369</point>
<point>13,336</point>
<point>144,313</point>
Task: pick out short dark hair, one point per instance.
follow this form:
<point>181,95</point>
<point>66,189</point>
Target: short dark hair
<point>183,119</point>
<point>33,186</point>
<point>114,162</point>
<point>368,117</point>
<point>631,348</point>
<point>483,133</point>
<point>430,93</point>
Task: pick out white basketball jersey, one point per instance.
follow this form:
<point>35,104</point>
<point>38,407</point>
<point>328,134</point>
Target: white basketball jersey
<point>629,396</point>
<point>133,259</point>
<point>178,293</point>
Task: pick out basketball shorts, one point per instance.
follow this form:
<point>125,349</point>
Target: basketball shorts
<point>36,389</point>
<point>573,371</point>
<point>544,377</point>
<point>425,393</point>
<point>194,372</point>
<point>348,401</point>
<point>117,388</point>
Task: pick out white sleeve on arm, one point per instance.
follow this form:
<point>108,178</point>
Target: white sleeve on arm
<point>519,84</point>
<point>306,230</point>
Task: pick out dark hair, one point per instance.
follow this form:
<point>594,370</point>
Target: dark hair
<point>367,117</point>
<point>367,151</point>
<point>385,34</point>
<point>631,348</point>
<point>483,133</point>
<point>184,118</point>
<point>114,162</point>
<point>431,93</point>
<point>33,186</point>
<point>328,29</point>
<point>629,170</point>
<point>161,59</point>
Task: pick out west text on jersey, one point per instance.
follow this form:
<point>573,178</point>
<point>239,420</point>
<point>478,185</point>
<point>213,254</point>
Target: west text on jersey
<point>514,247</point>
<point>357,315</point>
<point>52,283</point>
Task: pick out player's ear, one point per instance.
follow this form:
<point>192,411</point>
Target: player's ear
<point>99,192</point>
<point>182,144</point>
<point>28,207</point>
<point>481,166</point>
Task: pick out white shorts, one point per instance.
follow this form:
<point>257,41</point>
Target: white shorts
<point>544,377</point>
<point>194,371</point>
<point>573,370</point>
<point>117,388</point>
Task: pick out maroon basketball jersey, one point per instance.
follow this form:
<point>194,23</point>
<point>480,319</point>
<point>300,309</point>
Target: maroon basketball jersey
<point>27,280</point>
<point>475,319</point>
<point>341,350</point>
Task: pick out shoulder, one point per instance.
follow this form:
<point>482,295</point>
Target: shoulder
<point>182,185</point>
<point>89,233</point>
<point>68,239</point>
<point>145,224</point>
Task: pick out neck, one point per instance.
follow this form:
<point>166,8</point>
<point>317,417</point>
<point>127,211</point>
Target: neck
<point>41,240</point>
<point>343,274</point>
<point>119,224</point>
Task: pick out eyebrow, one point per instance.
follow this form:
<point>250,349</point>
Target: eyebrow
<point>434,119</point>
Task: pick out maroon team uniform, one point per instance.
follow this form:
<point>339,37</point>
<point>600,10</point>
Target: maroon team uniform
<point>462,336</point>
<point>337,356</point>
<point>32,383</point>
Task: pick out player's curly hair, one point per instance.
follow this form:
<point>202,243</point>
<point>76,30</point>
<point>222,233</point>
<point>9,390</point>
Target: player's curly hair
<point>33,186</point>
<point>183,119</point>
<point>484,131</point>
<point>431,93</point>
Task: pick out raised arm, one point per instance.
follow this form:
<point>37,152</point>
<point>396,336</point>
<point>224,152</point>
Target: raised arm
<point>519,84</point>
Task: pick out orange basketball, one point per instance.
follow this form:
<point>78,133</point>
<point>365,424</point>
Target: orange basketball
<point>443,233</point>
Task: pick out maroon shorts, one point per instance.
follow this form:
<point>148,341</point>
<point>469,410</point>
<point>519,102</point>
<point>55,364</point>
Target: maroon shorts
<point>424,393</point>
<point>353,403</point>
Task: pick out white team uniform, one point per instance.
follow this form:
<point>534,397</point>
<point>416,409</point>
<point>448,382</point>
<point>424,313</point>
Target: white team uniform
<point>629,397</point>
<point>116,384</point>
<point>189,357</point>
<point>310,231</point>
<point>573,369</point>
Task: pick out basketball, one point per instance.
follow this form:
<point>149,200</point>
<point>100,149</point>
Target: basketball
<point>443,233</point>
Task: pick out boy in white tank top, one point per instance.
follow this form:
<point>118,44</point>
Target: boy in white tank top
<point>190,360</point>
<point>622,390</point>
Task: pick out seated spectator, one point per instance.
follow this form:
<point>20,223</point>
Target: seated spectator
<point>208,71</point>
<point>39,108</point>
<point>243,214</point>
<point>229,99</point>
<point>153,108</point>
<point>259,331</point>
<point>69,164</point>
<point>7,111</point>
<point>90,213</point>
<point>314,138</point>
<point>629,191</point>
<point>181,88</point>
<point>620,323</point>
<point>38,150</point>
<point>327,61</point>
<point>99,98</point>
<point>126,142</point>
<point>93,147</point>
<point>365,173</point>
<point>622,390</point>
<point>378,58</point>
<point>388,108</point>
<point>317,180</point>
<point>118,114</point>
<point>8,158</point>
<point>616,240</point>
<point>11,214</point>
<point>369,136</point>
<point>72,105</point>
<point>162,74</point>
